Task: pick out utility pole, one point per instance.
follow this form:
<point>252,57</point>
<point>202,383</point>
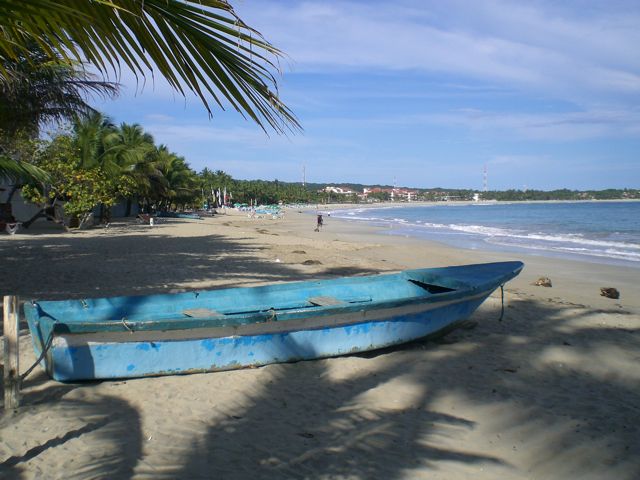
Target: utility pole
<point>485,187</point>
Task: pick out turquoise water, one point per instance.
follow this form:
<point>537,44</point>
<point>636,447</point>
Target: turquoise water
<point>606,232</point>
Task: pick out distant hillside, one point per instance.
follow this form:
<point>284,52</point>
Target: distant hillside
<point>439,193</point>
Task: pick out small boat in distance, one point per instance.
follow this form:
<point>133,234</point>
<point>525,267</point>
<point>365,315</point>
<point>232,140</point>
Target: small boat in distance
<point>226,329</point>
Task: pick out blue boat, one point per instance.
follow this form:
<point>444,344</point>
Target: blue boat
<point>225,329</point>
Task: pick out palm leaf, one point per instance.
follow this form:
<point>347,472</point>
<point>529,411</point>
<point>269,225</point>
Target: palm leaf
<point>39,90</point>
<point>17,171</point>
<point>196,45</point>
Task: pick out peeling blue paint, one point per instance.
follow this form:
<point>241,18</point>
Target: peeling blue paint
<point>93,356</point>
<point>208,344</point>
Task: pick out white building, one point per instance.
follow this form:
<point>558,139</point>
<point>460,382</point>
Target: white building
<point>338,190</point>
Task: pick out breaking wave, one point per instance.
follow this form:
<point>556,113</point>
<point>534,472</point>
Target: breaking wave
<point>520,236</point>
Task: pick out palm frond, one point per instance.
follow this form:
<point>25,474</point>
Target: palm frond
<point>17,171</point>
<point>197,45</point>
<point>39,90</point>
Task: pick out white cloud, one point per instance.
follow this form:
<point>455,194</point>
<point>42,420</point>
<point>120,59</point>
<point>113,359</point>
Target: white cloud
<point>525,45</point>
<point>158,117</point>
<point>561,127</point>
<point>174,135</point>
<point>380,89</point>
<point>583,55</point>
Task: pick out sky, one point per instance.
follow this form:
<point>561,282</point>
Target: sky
<point>424,94</point>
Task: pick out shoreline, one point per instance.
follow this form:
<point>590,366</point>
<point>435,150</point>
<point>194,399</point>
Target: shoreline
<point>546,393</point>
<point>469,240</point>
<point>415,252</point>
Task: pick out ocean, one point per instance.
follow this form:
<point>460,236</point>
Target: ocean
<point>605,232</point>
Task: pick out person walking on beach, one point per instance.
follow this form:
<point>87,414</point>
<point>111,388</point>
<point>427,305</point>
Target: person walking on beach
<point>319,225</point>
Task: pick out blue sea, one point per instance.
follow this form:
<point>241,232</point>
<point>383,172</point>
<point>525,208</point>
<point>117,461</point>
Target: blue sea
<point>606,232</point>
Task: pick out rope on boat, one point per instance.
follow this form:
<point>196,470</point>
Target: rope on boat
<point>46,348</point>
<point>502,302</point>
<point>126,325</point>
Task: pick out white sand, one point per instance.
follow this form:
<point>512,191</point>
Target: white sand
<point>551,392</point>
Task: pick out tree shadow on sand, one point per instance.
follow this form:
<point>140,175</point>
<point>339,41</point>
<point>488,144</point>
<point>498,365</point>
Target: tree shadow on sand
<point>464,406</point>
<point>310,422</point>
<point>55,449</point>
<point>546,380</point>
<point>136,264</point>
<point>294,431</point>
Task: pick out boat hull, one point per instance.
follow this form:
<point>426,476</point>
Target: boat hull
<point>78,357</point>
<point>76,350</point>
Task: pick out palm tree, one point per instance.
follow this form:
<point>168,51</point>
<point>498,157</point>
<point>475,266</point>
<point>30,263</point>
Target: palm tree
<point>17,171</point>
<point>180,182</point>
<point>91,137</point>
<point>132,151</point>
<point>133,146</point>
<point>38,90</point>
<point>124,152</point>
<point>200,46</point>
<point>207,186</point>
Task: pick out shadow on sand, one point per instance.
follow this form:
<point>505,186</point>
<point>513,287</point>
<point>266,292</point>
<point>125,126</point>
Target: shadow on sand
<point>136,264</point>
<point>307,422</point>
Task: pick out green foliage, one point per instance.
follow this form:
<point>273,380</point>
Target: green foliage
<point>38,89</point>
<point>562,194</point>
<point>13,150</point>
<point>82,189</point>
<point>98,164</point>
<point>380,196</point>
<point>265,192</point>
<point>196,45</point>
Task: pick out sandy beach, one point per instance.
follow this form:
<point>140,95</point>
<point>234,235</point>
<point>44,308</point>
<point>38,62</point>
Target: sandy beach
<point>550,392</point>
